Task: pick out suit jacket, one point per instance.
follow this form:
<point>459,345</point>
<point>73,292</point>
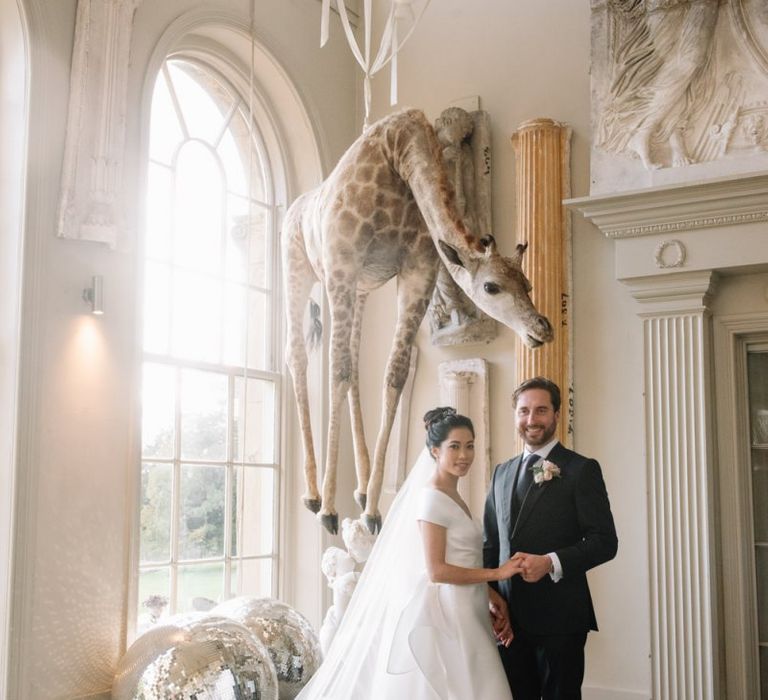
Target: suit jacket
<point>570,516</point>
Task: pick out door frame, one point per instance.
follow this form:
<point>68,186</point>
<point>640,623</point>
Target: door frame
<point>733,334</point>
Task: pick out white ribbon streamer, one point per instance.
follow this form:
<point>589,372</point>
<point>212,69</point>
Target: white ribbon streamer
<point>390,42</point>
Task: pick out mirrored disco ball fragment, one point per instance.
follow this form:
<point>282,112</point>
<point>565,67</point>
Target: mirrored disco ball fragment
<point>292,643</point>
<point>210,658</point>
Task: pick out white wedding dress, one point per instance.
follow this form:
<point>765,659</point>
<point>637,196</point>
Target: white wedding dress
<point>403,637</point>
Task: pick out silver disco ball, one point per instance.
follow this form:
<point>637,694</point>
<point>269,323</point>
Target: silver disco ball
<point>292,643</point>
<point>196,658</point>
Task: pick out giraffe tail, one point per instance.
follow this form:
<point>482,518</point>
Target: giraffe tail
<point>315,333</point>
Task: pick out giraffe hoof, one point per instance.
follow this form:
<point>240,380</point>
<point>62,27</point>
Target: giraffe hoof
<point>372,522</point>
<point>330,522</point>
<point>312,504</point>
<point>361,499</point>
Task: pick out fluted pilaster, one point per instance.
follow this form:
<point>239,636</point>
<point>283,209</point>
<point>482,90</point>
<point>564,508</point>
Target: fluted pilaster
<point>542,150</point>
<point>676,333</point>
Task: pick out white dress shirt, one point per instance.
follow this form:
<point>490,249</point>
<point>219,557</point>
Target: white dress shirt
<point>557,568</point>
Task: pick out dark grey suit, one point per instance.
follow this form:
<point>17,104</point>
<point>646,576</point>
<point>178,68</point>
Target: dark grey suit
<point>570,516</point>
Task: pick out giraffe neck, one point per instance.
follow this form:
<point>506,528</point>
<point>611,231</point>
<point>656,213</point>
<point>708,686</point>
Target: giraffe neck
<point>416,156</point>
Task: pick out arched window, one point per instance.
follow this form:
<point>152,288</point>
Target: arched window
<point>211,389</point>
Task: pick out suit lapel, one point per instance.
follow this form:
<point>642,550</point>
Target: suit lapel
<point>505,492</point>
<point>537,490</point>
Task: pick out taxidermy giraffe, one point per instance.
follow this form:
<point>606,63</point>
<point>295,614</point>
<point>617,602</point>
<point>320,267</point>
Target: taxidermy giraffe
<point>386,210</point>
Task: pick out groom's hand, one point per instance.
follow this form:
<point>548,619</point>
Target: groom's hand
<point>534,566</point>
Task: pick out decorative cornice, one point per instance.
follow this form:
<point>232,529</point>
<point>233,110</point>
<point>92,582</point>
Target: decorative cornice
<point>682,292</point>
<point>662,210</point>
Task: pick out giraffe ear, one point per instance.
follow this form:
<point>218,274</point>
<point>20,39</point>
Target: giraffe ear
<point>517,258</point>
<point>451,254</point>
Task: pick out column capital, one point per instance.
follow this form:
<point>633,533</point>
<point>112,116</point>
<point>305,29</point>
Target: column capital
<point>673,293</point>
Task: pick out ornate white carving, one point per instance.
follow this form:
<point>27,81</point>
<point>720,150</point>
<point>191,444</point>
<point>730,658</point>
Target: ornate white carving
<point>663,259</point>
<point>466,141</point>
<point>89,207</point>
<point>676,83</point>
<point>464,385</point>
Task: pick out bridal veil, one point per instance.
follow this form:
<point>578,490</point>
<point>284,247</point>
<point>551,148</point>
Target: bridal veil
<point>393,624</point>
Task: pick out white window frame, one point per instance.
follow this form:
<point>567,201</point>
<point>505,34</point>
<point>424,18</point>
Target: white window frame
<point>272,374</point>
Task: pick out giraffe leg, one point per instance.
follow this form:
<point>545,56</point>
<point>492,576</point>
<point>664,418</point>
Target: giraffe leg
<point>413,293</point>
<point>362,459</point>
<point>299,279</point>
<point>341,299</point>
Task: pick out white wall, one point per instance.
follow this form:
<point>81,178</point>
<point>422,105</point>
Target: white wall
<point>531,59</point>
<point>78,410</point>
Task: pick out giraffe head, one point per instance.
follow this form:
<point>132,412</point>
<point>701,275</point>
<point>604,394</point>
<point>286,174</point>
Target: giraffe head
<point>498,286</point>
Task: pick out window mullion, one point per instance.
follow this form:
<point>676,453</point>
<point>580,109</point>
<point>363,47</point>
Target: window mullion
<point>228,484</point>
<point>175,497</point>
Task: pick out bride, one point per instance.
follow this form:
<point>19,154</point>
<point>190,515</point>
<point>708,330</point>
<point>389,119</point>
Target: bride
<point>418,624</point>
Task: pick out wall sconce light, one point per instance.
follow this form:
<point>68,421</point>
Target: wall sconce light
<point>94,295</point>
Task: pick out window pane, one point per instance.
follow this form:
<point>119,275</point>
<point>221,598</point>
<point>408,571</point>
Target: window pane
<point>158,227</point>
<point>199,209</point>
<point>158,408</point>
<point>234,325</point>
<point>252,577</point>
<point>259,273</point>
<point>247,243</point>
<point>165,132</point>
<point>254,419</point>
<point>155,516</point>
<point>154,590</point>
<point>197,313</point>
<point>203,415</point>
<point>254,528</point>
<point>760,493</point>
<point>259,330</point>
<point>199,581</point>
<point>201,512</point>
<point>235,156</point>
<point>761,569</point>
<point>237,238</point>
<point>757,363</point>
<point>203,100</point>
<point>157,311</point>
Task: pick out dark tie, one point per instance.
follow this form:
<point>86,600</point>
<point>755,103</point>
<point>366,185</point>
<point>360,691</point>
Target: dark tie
<point>525,479</point>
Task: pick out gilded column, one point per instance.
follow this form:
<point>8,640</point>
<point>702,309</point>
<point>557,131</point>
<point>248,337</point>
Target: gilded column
<point>542,175</point>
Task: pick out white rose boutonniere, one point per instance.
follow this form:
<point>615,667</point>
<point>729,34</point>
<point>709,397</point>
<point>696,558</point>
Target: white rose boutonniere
<point>545,471</point>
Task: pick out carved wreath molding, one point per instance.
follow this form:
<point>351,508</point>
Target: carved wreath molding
<point>663,260</point>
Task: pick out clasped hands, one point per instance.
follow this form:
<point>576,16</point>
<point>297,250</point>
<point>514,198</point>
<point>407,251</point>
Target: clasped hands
<point>530,567</point>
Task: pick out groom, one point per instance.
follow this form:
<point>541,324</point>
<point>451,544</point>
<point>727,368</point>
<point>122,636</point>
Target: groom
<point>547,507</point>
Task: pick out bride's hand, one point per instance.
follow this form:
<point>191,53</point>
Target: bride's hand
<point>502,629</point>
<point>510,568</point>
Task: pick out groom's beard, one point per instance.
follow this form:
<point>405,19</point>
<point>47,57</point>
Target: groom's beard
<point>542,438</point>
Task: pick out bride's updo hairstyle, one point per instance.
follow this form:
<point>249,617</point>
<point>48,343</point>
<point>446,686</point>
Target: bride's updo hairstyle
<point>440,421</point>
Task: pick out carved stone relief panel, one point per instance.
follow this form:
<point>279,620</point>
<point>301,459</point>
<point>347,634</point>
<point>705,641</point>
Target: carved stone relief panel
<point>91,181</point>
<point>466,141</point>
<point>679,91</point>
